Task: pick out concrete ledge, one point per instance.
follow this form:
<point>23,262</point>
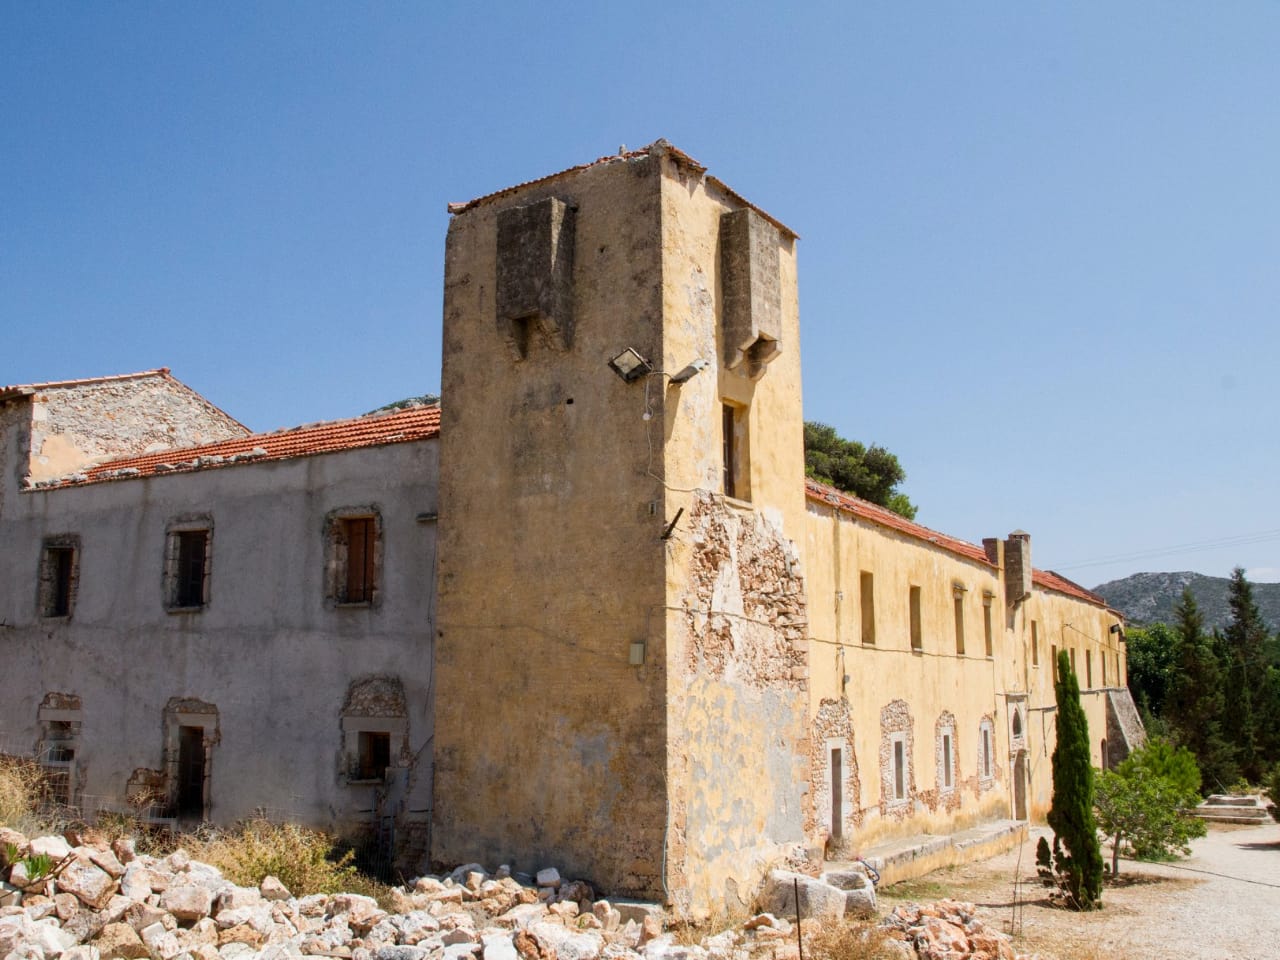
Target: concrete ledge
<point>909,857</point>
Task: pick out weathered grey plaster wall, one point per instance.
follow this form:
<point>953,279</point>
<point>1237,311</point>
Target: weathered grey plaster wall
<point>268,651</point>
<point>73,426</point>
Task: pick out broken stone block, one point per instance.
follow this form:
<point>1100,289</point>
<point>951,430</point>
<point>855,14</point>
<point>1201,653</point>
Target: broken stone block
<point>272,889</point>
<point>609,918</point>
<point>565,911</point>
<point>119,941</point>
<point>650,927</point>
<point>459,875</point>
<point>580,946</point>
<point>162,944</point>
<point>177,861</point>
<point>91,884</point>
<point>549,877</point>
<point>105,859</point>
<point>125,849</point>
<point>135,883</point>
<point>81,951</point>
<point>401,953</point>
<point>187,903</point>
<point>55,848</point>
<point>817,899</point>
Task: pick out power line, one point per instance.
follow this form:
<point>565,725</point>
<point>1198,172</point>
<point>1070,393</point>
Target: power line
<point>1239,540</point>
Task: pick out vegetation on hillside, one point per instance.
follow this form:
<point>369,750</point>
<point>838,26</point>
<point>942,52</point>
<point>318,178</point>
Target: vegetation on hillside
<point>1216,693</point>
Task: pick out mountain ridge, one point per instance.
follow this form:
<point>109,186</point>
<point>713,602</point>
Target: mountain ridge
<point>1146,598</point>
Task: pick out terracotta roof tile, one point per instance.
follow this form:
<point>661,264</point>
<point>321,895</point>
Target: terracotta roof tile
<point>400,426</point>
<point>1046,579</point>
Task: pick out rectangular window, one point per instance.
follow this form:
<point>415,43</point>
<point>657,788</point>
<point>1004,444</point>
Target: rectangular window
<point>1053,661</point>
<point>917,637</point>
<point>1071,656</point>
<point>946,760</point>
<point>1088,669</point>
<point>959,612</point>
<point>867,601</point>
<point>374,755</point>
<point>1102,659</point>
<point>837,794</point>
<point>58,574</point>
<point>987,633</point>
<point>360,533</point>
<point>1035,643</point>
<point>899,769</point>
<point>986,753</point>
<point>189,586</point>
<point>737,477</point>
<point>188,545</point>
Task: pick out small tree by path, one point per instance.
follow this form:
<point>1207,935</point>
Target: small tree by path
<point>1144,801</point>
<point>1075,832</point>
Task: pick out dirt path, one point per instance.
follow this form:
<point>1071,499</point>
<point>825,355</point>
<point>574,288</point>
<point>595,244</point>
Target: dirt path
<point>1221,903</point>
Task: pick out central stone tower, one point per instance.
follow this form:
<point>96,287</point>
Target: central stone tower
<point>621,663</point>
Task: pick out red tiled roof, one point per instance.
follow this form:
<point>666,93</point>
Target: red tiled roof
<point>23,389</point>
<point>887,518</point>
<point>657,147</point>
<point>400,426</point>
<point>832,497</point>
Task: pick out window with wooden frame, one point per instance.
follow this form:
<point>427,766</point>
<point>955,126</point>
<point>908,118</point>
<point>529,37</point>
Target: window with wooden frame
<point>373,754</point>
<point>734,451</point>
<point>353,552</point>
<point>867,607</point>
<point>958,591</point>
<point>188,557</point>
<point>59,574</point>
<point>988,632</point>
<point>917,634</point>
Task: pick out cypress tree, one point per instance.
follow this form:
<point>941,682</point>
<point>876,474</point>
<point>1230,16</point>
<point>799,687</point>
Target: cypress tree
<point>1071,813</point>
<point>1246,674</point>
<point>1195,699</point>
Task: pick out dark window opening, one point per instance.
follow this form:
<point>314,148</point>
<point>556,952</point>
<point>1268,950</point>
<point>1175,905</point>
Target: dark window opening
<point>837,794</point>
<point>867,590</point>
<point>727,424</point>
<point>1035,643</point>
<point>986,629</point>
<point>359,584</point>
<point>917,636</point>
<point>61,562</point>
<point>899,770</point>
<point>189,575</point>
<point>946,760</point>
<point>191,771</point>
<point>959,607</point>
<point>374,755</point>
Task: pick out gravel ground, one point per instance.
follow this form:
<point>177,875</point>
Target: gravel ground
<point>1221,903</point>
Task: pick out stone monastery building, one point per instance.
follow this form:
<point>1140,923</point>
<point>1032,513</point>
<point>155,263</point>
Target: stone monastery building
<point>588,614</point>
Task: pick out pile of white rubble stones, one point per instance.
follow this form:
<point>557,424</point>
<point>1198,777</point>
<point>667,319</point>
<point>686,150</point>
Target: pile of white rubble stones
<point>108,901</point>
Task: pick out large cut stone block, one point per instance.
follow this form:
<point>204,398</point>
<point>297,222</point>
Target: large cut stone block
<point>751,284</point>
<point>535,275</point>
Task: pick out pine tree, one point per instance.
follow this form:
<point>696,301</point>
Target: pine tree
<point>1071,812</point>
<point>1246,674</point>
<point>1195,699</point>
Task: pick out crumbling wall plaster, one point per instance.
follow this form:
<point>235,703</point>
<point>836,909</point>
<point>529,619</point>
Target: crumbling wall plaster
<point>834,723</point>
<point>737,716</point>
<point>895,718</point>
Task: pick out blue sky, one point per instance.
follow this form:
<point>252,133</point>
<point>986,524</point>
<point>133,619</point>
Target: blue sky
<point>1040,255</point>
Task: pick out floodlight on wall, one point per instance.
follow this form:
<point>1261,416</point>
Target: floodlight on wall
<point>629,365</point>
<point>689,372</point>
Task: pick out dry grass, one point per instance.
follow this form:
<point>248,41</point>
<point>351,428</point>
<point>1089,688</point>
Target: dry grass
<point>306,861</point>
<point>21,793</point>
<point>850,941</point>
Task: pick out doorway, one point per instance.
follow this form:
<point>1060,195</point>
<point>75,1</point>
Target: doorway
<point>191,768</point>
<point>1020,786</point>
<point>837,795</point>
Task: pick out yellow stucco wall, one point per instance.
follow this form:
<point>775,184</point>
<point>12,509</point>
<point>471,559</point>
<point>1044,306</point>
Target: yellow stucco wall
<point>936,686</point>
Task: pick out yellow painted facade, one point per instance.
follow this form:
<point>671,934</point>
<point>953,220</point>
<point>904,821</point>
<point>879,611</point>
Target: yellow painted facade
<point>664,663</point>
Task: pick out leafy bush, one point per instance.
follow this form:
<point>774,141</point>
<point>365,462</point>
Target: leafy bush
<point>306,861</point>
<point>1272,787</point>
<point>1143,803</point>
